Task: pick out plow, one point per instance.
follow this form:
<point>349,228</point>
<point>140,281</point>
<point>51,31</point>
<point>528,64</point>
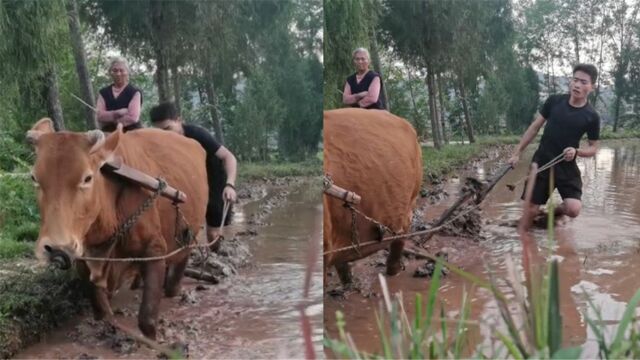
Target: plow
<point>471,196</point>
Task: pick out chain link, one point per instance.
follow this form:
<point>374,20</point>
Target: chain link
<point>124,228</point>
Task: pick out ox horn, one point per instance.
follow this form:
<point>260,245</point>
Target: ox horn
<point>43,126</point>
<point>96,139</point>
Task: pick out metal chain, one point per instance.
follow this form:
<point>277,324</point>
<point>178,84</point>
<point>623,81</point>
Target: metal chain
<point>355,241</point>
<point>124,228</point>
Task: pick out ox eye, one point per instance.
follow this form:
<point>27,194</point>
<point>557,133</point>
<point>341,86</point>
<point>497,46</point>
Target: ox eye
<point>87,179</point>
<point>35,182</point>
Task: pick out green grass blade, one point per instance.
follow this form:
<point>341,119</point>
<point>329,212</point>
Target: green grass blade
<point>511,347</point>
<point>461,331</point>
<point>554,316</point>
<point>627,317</point>
<point>572,353</point>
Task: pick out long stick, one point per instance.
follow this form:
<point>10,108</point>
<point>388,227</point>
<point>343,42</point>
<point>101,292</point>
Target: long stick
<point>84,103</point>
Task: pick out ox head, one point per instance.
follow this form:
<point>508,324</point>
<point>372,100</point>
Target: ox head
<point>68,184</point>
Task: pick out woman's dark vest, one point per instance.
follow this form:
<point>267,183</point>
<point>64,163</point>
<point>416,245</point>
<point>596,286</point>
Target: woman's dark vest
<point>121,102</point>
<point>363,85</point>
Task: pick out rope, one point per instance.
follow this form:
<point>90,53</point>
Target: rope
<point>162,257</point>
<point>556,160</point>
<point>403,236</point>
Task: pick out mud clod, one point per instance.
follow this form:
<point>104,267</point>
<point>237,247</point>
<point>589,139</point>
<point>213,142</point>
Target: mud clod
<point>429,267</point>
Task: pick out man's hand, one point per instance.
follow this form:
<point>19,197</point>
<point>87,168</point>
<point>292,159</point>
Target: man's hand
<point>514,159</point>
<point>229,194</point>
<point>570,153</point>
<point>122,112</point>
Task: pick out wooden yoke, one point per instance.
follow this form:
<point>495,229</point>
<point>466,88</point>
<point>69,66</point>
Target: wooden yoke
<point>336,191</point>
<point>138,177</point>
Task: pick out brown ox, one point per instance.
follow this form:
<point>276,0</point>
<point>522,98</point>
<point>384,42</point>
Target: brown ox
<point>80,208</point>
<point>376,155</point>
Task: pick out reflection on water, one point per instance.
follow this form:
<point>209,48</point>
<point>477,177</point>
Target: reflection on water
<point>598,253</point>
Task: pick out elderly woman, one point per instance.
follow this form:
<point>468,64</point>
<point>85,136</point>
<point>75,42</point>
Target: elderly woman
<point>119,102</point>
<point>363,88</point>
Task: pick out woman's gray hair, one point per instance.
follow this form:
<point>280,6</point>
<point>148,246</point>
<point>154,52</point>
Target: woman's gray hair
<point>353,54</point>
<point>118,60</point>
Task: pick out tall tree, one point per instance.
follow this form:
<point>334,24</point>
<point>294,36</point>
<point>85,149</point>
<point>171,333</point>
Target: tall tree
<point>86,90</point>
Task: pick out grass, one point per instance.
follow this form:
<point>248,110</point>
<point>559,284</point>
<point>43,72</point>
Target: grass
<point>437,163</point>
<point>248,171</point>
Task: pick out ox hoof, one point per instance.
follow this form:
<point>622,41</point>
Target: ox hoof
<point>148,329</point>
<point>394,268</point>
<point>172,292</point>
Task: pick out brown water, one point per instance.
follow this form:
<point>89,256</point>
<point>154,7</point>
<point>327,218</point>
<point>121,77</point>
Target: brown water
<point>599,254</point>
<point>251,315</point>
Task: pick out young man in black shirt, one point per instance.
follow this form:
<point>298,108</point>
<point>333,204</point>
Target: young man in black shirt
<point>568,117</point>
<point>221,166</point>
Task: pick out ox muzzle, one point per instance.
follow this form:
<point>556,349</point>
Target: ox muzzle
<point>58,257</point>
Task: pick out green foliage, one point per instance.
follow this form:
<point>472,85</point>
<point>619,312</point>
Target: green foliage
<point>19,216</point>
<point>347,26</point>
<point>255,120</point>
<point>268,170</point>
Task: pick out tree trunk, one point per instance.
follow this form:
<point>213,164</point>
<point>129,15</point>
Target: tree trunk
<point>375,59</point>
<point>432,110</point>
<point>175,78</point>
<point>420,128</point>
<point>442,117</point>
<point>616,113</point>
<point>86,90</point>
<point>162,67</point>
<point>465,107</point>
<point>576,44</point>
<point>162,76</point>
<point>212,99</point>
<point>52,96</point>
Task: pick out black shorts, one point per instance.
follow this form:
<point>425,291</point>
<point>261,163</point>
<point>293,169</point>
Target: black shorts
<point>215,209</point>
<point>566,179</point>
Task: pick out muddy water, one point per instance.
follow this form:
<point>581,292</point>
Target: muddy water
<point>250,315</point>
<point>599,252</point>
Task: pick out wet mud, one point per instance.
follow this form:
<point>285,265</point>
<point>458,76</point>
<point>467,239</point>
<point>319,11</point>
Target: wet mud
<point>599,251</point>
<point>251,313</point>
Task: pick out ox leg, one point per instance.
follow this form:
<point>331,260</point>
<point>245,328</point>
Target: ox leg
<point>344,273</point>
<point>394,260</point>
<point>97,296</point>
<point>153,273</point>
<point>174,276</point>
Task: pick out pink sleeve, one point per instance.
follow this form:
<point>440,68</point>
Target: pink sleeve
<point>133,109</point>
<point>347,97</point>
<point>102,114</point>
<point>373,93</point>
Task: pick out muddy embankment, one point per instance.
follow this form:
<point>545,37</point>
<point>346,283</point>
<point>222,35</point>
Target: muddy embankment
<point>36,300</point>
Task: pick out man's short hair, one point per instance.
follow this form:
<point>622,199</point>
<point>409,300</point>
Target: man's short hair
<point>164,111</point>
<point>591,70</point>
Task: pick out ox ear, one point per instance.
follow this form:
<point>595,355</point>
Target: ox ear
<point>43,126</point>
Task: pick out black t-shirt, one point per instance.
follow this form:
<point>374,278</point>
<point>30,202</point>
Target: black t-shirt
<point>216,175</point>
<point>363,85</point>
<point>564,128</point>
